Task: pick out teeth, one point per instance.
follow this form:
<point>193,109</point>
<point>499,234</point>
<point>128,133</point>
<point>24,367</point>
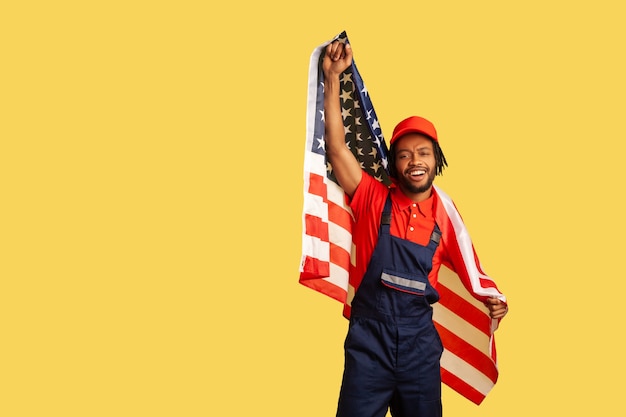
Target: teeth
<point>419,172</point>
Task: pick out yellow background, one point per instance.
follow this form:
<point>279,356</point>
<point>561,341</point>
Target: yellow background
<point>151,195</point>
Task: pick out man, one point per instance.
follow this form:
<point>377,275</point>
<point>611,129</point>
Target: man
<point>392,350</point>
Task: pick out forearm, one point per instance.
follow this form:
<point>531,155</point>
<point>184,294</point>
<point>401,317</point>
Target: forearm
<point>334,129</point>
<point>345,167</point>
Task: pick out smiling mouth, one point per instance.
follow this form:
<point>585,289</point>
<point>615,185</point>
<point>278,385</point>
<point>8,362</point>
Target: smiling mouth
<point>416,173</point>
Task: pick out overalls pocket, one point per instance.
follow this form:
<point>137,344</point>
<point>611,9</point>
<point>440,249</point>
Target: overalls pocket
<point>410,284</point>
<point>404,282</point>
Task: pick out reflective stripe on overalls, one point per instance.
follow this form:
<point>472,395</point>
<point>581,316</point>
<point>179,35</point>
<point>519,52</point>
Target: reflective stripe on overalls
<point>392,349</point>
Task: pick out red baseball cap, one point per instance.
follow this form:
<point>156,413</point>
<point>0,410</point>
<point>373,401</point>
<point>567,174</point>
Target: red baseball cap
<point>414,124</point>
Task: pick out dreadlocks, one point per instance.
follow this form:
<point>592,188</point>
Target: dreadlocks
<point>440,158</point>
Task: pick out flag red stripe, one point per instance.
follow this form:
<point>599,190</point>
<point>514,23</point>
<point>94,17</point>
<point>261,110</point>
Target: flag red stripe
<point>339,256</point>
<point>487,283</point>
<point>325,287</point>
<point>461,387</point>
<point>339,216</point>
<point>313,268</point>
<point>317,185</point>
<point>316,227</point>
<point>459,347</point>
<point>465,309</point>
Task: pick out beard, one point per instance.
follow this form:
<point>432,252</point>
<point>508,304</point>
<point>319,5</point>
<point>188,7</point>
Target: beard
<point>407,185</point>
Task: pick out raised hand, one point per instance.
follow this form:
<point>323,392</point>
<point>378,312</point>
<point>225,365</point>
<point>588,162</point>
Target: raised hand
<point>338,57</point>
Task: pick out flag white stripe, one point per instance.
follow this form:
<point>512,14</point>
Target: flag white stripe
<point>316,206</point>
<point>457,325</point>
<point>335,194</point>
<point>316,247</point>
<point>316,164</point>
<point>466,372</point>
<point>340,237</point>
<point>338,276</point>
<point>312,98</point>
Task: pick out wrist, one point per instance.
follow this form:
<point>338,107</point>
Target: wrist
<point>331,81</point>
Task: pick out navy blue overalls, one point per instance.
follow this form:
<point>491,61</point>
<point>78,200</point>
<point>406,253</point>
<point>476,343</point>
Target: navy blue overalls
<point>392,349</point>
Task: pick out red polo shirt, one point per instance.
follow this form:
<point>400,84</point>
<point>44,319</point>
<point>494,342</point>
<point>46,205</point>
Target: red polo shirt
<point>409,220</point>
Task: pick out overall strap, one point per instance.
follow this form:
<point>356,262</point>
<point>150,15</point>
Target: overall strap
<point>436,235</point>
<point>385,217</point>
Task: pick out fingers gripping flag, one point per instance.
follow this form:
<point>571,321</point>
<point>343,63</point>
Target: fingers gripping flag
<point>468,364</point>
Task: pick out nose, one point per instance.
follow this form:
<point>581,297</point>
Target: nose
<point>415,158</point>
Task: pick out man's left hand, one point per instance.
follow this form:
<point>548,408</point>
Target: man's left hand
<point>497,308</point>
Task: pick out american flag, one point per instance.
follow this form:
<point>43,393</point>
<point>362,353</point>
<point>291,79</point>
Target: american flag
<point>468,363</point>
